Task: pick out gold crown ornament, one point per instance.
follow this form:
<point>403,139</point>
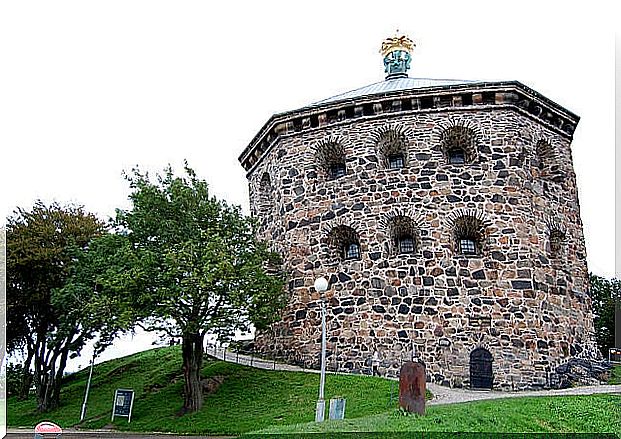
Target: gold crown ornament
<point>397,42</point>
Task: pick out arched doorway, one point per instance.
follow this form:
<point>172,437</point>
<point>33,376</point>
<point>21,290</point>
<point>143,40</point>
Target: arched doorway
<point>481,376</point>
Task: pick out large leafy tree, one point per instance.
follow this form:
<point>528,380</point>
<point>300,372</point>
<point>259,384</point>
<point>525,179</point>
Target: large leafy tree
<point>197,268</point>
<point>605,293</point>
<point>44,320</point>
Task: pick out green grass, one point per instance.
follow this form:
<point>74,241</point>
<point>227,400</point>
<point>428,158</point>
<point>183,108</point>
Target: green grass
<point>588,414</point>
<point>615,375</point>
<point>249,399</point>
<point>284,402</point>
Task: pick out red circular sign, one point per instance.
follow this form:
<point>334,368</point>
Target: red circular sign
<point>47,427</point>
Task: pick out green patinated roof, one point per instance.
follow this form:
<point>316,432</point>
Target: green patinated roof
<point>392,84</point>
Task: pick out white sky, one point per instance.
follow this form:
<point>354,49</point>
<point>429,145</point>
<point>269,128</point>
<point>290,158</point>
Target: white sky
<point>91,88</point>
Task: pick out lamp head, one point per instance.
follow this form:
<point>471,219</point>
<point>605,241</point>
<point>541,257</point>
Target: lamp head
<point>321,284</point>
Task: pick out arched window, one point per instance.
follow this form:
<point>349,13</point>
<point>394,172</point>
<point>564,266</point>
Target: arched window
<point>330,157</point>
<point>546,161</point>
<point>346,242</point>
<point>459,145</point>
<point>468,233</point>
<point>404,234</point>
<point>265,195</point>
<point>266,183</point>
<point>392,149</point>
<point>557,239</point>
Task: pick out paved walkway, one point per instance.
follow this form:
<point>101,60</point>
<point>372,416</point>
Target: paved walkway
<point>441,394</point>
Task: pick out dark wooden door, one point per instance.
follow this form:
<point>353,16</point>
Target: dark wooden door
<point>481,369</point>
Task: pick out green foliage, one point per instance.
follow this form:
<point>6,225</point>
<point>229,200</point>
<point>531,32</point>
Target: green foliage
<point>14,374</point>
<point>197,266</point>
<point>604,294</point>
<point>41,245</point>
<point>615,375</point>
<point>44,320</point>
<point>100,277</point>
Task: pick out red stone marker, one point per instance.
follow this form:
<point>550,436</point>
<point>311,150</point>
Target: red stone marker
<point>412,387</point>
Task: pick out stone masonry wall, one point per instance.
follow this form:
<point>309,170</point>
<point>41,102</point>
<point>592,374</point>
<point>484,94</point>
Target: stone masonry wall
<point>523,299</point>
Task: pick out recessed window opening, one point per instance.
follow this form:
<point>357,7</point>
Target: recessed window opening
<point>459,145</point>
<point>391,147</point>
<point>403,233</point>
<point>344,242</point>
<point>469,233</point>
<point>331,160</point>
<point>265,183</point>
<point>265,190</point>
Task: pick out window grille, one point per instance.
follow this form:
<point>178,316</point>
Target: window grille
<point>467,246</point>
<point>352,251</point>
<point>396,161</point>
<point>337,170</point>
<point>406,244</point>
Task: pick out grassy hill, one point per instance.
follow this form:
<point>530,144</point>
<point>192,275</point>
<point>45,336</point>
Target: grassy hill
<point>284,402</point>
<point>249,399</point>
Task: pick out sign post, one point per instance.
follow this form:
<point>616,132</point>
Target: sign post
<point>123,403</point>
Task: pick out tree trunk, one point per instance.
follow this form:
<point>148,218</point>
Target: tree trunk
<point>48,392</point>
<point>192,351</point>
<point>57,383</point>
<point>44,378</point>
<point>48,381</point>
<point>26,381</point>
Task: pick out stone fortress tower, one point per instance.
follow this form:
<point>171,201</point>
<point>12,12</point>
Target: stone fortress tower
<point>444,214</point>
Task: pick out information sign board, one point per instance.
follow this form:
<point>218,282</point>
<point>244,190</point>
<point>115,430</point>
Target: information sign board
<point>123,403</point>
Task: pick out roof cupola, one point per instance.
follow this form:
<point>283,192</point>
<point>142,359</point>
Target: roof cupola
<point>397,52</point>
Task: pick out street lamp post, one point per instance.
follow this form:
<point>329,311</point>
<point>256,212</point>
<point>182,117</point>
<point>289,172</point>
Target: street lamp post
<point>321,285</point>
<point>88,387</point>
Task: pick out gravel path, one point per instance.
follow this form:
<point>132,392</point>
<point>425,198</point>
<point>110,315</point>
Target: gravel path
<point>442,395</point>
<point>445,395</point>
